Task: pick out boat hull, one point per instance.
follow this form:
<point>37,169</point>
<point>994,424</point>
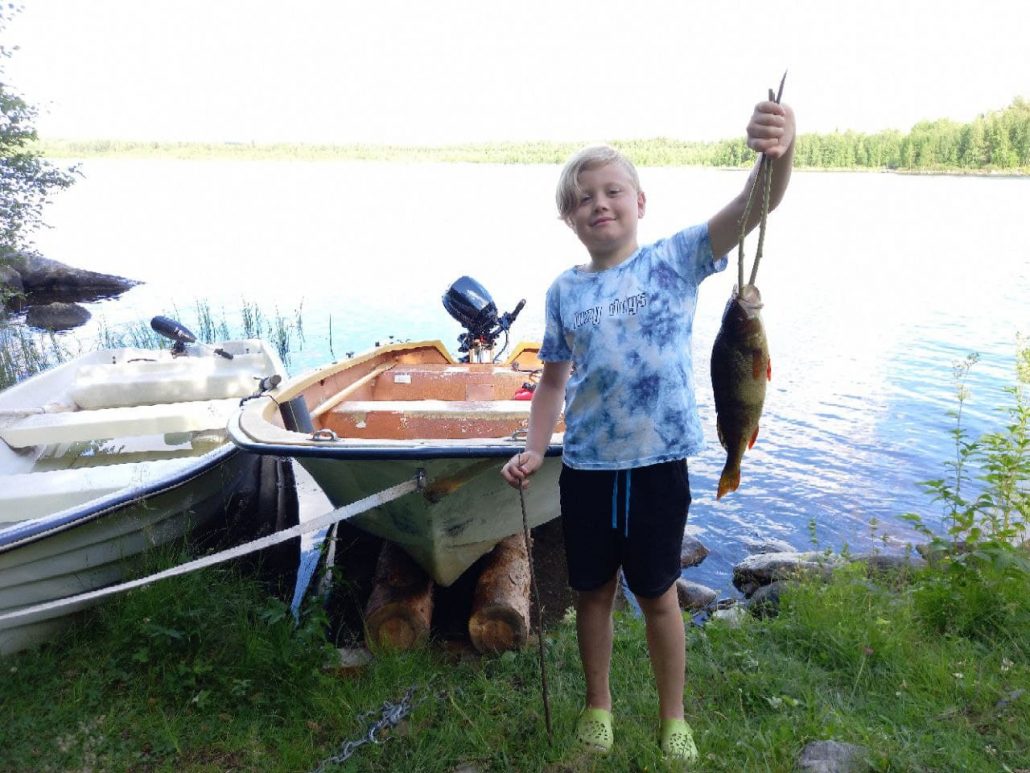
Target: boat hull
<point>111,545</point>
<point>463,511</point>
<point>409,410</point>
<point>111,455</point>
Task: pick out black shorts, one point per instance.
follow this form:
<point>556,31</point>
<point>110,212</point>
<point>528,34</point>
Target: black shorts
<point>645,538</point>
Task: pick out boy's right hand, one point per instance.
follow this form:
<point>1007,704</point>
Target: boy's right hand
<point>520,467</point>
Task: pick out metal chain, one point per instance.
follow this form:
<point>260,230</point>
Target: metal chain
<point>390,715</point>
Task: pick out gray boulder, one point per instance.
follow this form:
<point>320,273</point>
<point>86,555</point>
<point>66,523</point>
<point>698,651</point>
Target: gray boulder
<point>886,564</point>
<point>761,569</point>
<point>770,545</point>
<point>694,596</point>
<point>56,281</point>
<point>765,602</point>
<point>692,552</point>
<point>833,757</point>
<point>56,316</point>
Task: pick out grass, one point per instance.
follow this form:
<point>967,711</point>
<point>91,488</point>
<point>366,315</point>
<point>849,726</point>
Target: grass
<point>205,673</point>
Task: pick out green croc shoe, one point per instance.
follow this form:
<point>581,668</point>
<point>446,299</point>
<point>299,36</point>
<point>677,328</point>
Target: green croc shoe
<point>594,731</point>
<point>678,742</point>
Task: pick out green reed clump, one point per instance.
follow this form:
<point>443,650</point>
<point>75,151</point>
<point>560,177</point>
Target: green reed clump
<point>978,585</point>
<point>24,352</point>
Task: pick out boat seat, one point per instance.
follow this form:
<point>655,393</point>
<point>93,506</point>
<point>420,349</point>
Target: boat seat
<point>427,419</point>
<point>126,384</point>
<point>35,494</point>
<point>104,423</point>
<point>483,408</point>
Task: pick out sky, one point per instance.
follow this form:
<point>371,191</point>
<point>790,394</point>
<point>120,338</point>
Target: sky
<point>454,71</point>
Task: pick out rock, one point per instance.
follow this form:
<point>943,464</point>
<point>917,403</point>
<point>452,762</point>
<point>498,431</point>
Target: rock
<point>761,569</point>
<point>350,661</point>
<point>765,602</point>
<point>10,280</point>
<point>881,563</point>
<point>833,757</point>
<point>694,596</point>
<point>732,617</point>
<point>938,549</point>
<point>768,546</point>
<point>54,281</point>
<point>56,316</point>
<point>692,552</point>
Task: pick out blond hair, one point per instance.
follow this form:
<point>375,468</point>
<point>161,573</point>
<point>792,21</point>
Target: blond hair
<point>568,192</point>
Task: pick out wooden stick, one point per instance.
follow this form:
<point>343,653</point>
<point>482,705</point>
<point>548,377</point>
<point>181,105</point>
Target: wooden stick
<point>539,618</point>
<point>350,389</point>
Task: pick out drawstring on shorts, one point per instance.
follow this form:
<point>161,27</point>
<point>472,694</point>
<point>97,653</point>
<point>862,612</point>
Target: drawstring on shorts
<point>615,503</point>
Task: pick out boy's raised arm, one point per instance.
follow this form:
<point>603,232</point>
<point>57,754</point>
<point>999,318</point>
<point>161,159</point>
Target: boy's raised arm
<point>770,131</point>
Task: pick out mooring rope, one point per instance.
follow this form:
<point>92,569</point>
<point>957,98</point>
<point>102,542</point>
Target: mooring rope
<point>764,174</point>
<point>340,514</point>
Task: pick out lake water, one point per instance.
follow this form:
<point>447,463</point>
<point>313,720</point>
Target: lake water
<point>874,284</point>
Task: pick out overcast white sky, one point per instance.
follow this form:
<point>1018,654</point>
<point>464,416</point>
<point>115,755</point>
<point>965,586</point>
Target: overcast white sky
<point>448,71</point>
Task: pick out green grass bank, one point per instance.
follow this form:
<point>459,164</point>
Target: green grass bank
<point>204,673</point>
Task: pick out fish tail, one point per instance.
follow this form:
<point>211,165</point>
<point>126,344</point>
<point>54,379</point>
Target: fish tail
<point>728,482</point>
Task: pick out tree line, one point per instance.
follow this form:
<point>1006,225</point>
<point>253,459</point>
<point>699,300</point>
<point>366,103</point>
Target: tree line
<point>993,142</point>
<point>997,141</point>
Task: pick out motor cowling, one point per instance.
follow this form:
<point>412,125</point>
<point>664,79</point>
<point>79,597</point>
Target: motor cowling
<point>471,305</point>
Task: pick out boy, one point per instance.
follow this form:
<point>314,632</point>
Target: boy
<point>624,321</point>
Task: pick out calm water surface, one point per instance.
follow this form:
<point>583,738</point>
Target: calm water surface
<point>874,286</point>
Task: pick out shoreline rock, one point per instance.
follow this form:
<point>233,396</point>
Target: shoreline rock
<point>57,316</point>
<point>39,281</point>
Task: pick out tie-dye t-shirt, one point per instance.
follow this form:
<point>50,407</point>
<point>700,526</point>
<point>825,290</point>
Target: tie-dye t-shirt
<point>627,330</point>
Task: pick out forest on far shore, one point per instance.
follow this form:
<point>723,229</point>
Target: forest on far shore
<point>995,142</point>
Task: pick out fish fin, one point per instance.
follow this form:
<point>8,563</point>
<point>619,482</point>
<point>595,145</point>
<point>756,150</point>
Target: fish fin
<point>768,370</point>
<point>754,437</point>
<point>728,482</point>
<point>757,369</point>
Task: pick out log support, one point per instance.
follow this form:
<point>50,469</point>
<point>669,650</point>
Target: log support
<point>500,606</point>
<point>400,607</point>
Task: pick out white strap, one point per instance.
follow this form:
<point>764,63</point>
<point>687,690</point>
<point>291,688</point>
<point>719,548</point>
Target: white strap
<point>340,514</point>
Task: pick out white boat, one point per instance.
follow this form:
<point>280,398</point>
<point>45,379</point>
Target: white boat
<point>408,409</point>
<point>114,453</point>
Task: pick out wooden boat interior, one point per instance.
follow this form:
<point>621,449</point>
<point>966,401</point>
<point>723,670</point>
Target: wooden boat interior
<point>422,394</point>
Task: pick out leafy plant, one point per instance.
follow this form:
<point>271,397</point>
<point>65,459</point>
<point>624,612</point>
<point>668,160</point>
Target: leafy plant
<point>975,587</point>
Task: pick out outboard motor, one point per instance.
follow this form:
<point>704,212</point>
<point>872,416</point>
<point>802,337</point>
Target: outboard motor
<point>180,335</point>
<point>471,305</point>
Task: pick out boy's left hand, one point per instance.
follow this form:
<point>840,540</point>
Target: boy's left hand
<point>771,129</point>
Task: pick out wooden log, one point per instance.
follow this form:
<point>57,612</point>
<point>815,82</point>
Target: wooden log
<point>500,606</point>
<point>400,606</point>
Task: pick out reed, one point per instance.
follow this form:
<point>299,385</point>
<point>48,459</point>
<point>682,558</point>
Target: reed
<point>25,352</point>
